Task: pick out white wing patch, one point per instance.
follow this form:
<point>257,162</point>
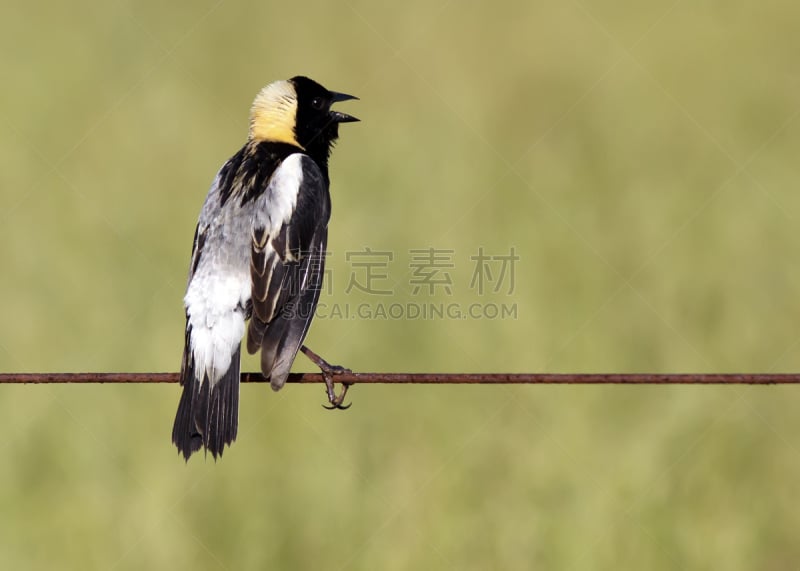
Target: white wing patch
<point>276,205</point>
<point>214,306</point>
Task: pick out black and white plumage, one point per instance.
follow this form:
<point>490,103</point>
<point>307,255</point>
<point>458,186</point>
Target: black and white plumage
<point>258,253</point>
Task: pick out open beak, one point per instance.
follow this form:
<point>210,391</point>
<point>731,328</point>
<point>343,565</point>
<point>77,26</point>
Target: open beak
<point>338,116</point>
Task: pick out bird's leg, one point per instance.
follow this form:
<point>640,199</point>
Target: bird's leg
<point>328,372</point>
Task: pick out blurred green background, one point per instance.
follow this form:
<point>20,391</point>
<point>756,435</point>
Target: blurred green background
<point>641,159</point>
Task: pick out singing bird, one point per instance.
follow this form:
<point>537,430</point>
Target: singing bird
<point>258,254</point>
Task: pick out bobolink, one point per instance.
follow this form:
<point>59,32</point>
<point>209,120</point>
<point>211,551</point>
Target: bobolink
<point>258,254</point>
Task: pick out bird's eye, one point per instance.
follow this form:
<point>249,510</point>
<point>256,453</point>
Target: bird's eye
<point>318,103</point>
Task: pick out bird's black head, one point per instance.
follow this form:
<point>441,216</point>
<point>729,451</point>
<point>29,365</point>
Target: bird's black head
<point>298,112</point>
<point>316,124</point>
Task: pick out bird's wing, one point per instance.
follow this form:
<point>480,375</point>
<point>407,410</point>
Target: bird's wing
<point>208,410</point>
<point>289,236</point>
<point>198,245</point>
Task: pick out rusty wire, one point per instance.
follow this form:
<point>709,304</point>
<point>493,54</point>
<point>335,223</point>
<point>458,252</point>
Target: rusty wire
<point>435,378</point>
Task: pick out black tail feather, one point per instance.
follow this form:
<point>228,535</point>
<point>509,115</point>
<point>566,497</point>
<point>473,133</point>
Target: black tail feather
<point>207,417</point>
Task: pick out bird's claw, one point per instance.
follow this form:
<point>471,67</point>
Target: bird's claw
<point>335,369</point>
<point>328,372</point>
<point>335,400</point>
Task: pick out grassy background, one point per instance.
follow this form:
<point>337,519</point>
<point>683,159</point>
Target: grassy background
<point>642,160</point>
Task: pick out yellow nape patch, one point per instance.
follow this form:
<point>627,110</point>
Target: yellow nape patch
<point>273,115</point>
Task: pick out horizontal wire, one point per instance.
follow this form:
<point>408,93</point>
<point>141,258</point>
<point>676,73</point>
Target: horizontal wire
<point>434,378</point>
